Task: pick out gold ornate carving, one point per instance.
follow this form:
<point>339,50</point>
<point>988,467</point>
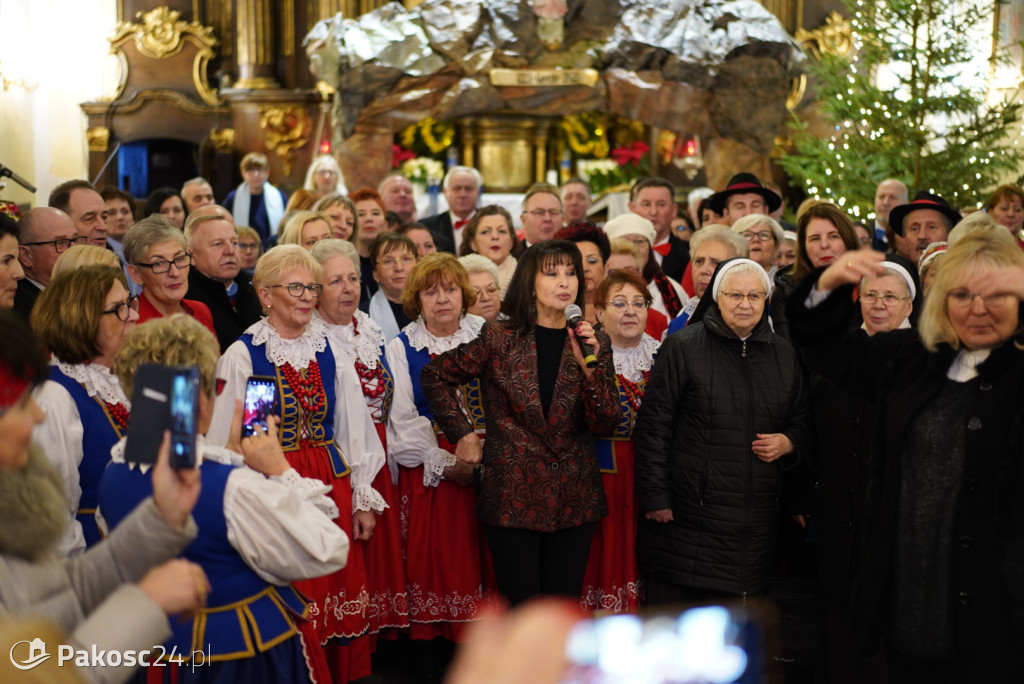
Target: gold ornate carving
<point>544,77</point>
<point>835,37</point>
<point>223,139</point>
<point>179,100</point>
<point>98,138</point>
<point>285,129</point>
<point>160,35</point>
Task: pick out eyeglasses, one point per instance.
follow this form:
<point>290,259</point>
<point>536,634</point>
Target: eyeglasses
<point>391,262</point>
<point>752,297</point>
<point>962,299</point>
<point>296,289</point>
<point>122,309</point>
<point>539,213</point>
<point>490,290</point>
<point>889,300</point>
<point>637,240</point>
<point>62,245</point>
<point>248,246</point>
<point>181,263</point>
<point>762,235</point>
<point>621,304</point>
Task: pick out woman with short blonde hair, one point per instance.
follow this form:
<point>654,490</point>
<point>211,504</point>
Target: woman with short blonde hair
<point>946,478</point>
<point>305,228</point>
<point>325,429</point>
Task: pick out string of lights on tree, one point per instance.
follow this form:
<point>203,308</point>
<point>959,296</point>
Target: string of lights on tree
<point>909,101</point>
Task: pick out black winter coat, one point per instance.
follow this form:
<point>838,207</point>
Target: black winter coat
<point>987,549</point>
<point>709,394</point>
<point>229,321</point>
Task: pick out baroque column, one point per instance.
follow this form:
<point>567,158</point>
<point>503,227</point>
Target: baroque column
<point>254,39</point>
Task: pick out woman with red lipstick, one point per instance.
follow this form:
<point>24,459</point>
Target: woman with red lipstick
<point>325,430</point>
<point>612,580</point>
<point>159,261</point>
<point>539,494</point>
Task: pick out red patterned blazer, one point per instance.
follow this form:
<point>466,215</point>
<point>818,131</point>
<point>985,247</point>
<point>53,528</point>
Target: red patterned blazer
<point>539,473</point>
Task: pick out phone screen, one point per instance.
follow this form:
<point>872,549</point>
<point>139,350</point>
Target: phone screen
<point>704,644</point>
<point>184,416</point>
<point>260,402</point>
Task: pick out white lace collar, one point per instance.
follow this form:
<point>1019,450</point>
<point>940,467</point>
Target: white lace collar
<point>97,380</point>
<point>632,362</point>
<point>299,352</point>
<point>206,452</point>
<point>420,337</point>
<point>363,346</point>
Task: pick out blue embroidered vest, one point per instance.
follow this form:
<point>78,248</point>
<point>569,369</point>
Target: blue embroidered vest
<point>319,426</point>
<point>606,447</point>
<point>472,403</point>
<point>100,433</point>
<point>244,613</point>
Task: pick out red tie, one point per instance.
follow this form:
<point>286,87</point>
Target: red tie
<point>663,249</point>
<point>460,224</point>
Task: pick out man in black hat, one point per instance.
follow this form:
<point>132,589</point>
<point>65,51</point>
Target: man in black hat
<point>927,219</point>
<point>744,195</point>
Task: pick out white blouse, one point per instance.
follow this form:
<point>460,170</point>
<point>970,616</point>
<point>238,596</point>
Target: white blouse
<point>411,439</point>
<point>282,527</point>
<point>61,433</point>
<point>361,340</point>
<point>353,428</point>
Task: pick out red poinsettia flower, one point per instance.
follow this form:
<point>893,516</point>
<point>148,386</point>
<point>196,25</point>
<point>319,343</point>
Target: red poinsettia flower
<point>632,154</point>
<point>399,155</point>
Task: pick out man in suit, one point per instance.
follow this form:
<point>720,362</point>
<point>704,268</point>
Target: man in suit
<point>215,278</point>
<point>79,200</point>
<point>889,194</point>
<point>541,217</point>
<point>44,233</point>
<point>654,199</point>
<point>461,187</point>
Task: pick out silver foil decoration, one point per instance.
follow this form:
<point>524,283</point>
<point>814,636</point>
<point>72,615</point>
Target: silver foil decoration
<point>731,61</point>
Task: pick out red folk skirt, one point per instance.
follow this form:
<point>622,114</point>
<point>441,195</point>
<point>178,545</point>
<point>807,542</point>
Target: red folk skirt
<point>338,601</point>
<point>448,567</point>
<point>385,559</point>
<point>611,580</point>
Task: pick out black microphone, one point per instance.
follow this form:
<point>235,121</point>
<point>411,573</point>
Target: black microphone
<point>4,171</point>
<point>574,316</point>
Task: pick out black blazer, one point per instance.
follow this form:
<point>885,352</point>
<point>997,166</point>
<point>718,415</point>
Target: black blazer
<point>441,226</point>
<point>229,321</point>
<point>674,263</point>
<point>25,298</point>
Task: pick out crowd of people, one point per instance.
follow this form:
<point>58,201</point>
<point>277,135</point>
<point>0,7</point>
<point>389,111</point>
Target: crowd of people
<point>646,411</point>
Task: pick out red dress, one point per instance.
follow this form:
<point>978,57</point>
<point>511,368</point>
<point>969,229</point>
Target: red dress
<point>363,343</point>
<point>196,310</point>
<point>448,568</point>
<point>611,581</point>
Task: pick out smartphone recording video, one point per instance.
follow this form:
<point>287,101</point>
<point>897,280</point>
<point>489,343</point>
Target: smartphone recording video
<point>260,404</point>
<point>184,417</point>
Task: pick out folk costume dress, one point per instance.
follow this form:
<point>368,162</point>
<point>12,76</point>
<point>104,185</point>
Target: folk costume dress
<point>256,536</point>
<point>327,434</point>
<point>362,343</point>
<point>447,564</point>
<point>86,414</point>
<point>612,581</point>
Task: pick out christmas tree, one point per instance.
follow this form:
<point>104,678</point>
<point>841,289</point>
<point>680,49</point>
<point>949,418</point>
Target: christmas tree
<point>910,100</point>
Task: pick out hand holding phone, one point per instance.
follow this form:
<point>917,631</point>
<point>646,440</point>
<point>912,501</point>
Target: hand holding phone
<point>260,404</point>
